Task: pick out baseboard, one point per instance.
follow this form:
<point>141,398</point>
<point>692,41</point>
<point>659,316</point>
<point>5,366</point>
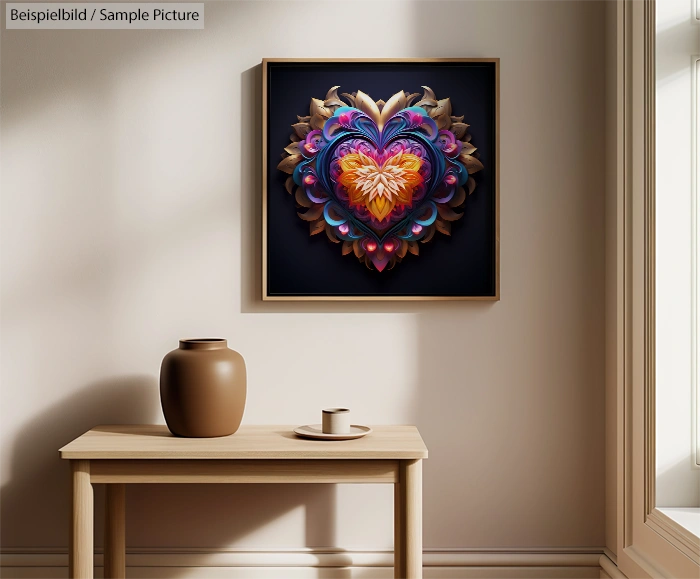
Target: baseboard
<point>552,563</point>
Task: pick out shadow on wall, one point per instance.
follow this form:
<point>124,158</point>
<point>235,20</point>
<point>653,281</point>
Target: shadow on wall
<point>668,43</point>
<point>251,189</point>
<point>164,516</point>
<point>39,487</point>
<point>677,484</point>
<point>35,500</point>
<point>38,494</point>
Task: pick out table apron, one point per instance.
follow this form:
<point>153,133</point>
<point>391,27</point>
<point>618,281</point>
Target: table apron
<point>244,471</point>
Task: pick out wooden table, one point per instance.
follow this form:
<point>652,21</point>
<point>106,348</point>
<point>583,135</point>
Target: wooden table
<point>119,455</point>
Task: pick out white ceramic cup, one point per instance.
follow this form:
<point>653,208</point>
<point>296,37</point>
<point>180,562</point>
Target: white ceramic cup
<point>336,421</point>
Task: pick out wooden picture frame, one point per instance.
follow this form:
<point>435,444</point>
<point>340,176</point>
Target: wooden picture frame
<point>271,181</point>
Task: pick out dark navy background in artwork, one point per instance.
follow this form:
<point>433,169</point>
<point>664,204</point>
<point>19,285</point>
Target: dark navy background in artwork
<point>463,264</point>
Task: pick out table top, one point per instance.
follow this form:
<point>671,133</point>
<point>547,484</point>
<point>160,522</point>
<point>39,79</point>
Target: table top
<point>154,441</point>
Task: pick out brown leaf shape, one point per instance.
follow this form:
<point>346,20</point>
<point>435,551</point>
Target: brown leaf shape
<point>411,97</point>
<point>332,99</point>
<point>294,137</point>
<point>459,198</point>
<point>289,163</point>
<point>305,119</point>
<point>312,214</point>
<point>293,148</point>
<point>317,227</point>
<point>301,198</point>
<point>443,122</point>
<point>428,236</point>
<point>459,129</point>
<point>471,185</point>
<point>457,119</point>
<point>317,122</point>
<point>444,107</point>
<point>443,226</point>
<point>357,248</point>
<point>441,114</point>
<point>468,149</point>
<point>401,251</point>
<point>347,247</point>
<point>471,163</point>
<point>467,138</point>
<point>318,108</point>
<point>392,106</point>
<point>446,213</point>
<point>350,98</point>
<point>302,129</point>
<point>289,185</point>
<point>413,247</point>
<point>428,99</point>
<point>366,104</point>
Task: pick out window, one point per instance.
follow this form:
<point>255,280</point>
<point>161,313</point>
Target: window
<point>677,264</point>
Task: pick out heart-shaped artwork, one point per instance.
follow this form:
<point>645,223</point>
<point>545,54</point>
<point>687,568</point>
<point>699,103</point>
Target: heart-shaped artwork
<point>379,177</point>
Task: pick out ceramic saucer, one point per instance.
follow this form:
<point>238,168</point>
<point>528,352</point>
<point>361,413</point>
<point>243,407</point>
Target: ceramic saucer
<point>314,431</point>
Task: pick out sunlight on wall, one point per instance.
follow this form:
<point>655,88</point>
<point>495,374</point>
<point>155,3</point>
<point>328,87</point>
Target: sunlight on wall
<point>678,482</point>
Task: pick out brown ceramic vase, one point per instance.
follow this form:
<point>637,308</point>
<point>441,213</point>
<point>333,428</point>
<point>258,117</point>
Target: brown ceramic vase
<point>203,389</point>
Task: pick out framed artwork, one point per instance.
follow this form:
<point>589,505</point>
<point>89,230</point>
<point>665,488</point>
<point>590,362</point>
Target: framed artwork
<point>380,179</point>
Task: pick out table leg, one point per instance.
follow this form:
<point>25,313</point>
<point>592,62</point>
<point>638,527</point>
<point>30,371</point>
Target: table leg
<point>399,518</point>
<point>115,538</point>
<point>81,536</point>
<point>411,520</point>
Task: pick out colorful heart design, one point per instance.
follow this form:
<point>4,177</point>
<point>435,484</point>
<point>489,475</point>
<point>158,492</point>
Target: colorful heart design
<point>380,177</point>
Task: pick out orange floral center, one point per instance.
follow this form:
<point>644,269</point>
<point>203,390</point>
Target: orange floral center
<point>380,187</point>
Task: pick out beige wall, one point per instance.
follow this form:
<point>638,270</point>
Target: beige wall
<point>130,201</point>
